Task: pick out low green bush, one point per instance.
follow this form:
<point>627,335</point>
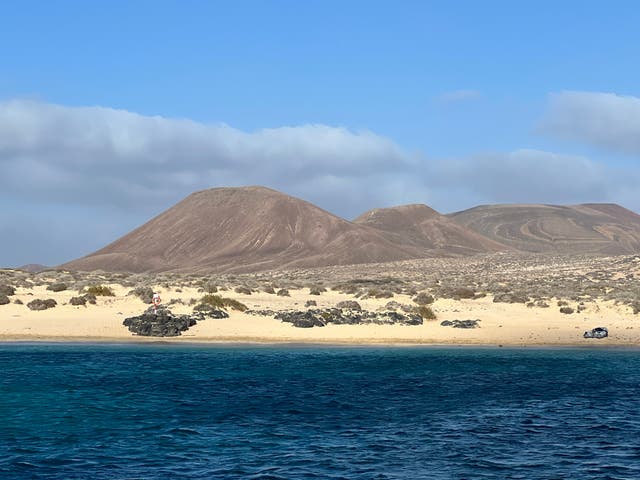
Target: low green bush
<point>101,291</point>
<point>423,298</point>
<point>425,312</point>
<point>7,290</point>
<point>216,301</point>
<point>39,304</point>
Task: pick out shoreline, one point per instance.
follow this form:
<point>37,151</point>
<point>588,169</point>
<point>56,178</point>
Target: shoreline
<point>591,344</point>
<point>595,292</point>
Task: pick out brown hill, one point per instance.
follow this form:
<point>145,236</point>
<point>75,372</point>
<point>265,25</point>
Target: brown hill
<point>424,228</point>
<point>244,229</point>
<point>587,228</point>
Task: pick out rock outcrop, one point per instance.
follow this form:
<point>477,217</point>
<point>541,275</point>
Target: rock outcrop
<point>337,316</point>
<point>163,323</point>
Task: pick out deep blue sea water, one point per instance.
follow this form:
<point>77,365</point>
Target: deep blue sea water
<point>147,411</point>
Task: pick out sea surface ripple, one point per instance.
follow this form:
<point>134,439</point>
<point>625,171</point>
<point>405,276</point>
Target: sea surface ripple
<point>309,412</point>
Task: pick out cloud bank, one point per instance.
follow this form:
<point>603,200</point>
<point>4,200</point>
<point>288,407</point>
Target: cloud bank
<point>603,120</point>
<point>80,177</point>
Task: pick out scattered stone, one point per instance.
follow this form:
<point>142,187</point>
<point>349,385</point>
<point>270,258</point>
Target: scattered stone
<point>566,310</point>
<point>310,303</point>
<point>460,323</point>
<point>283,292</point>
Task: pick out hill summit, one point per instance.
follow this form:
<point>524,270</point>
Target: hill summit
<point>243,229</point>
<point>249,229</point>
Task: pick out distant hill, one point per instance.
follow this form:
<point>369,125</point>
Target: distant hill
<point>426,229</point>
<point>244,229</point>
<point>250,229</point>
<point>588,228</point>
<point>33,268</point>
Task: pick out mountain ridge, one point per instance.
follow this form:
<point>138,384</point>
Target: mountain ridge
<point>248,229</point>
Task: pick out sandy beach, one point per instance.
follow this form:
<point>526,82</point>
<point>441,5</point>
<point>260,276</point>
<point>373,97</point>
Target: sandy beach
<point>499,323</point>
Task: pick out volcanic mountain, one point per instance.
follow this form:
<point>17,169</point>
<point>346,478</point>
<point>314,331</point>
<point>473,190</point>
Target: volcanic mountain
<point>588,228</point>
<point>242,230</point>
<point>426,229</point>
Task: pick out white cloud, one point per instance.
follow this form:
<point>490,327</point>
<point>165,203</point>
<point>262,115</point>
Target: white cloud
<point>604,120</point>
<point>101,155</point>
<point>80,176</point>
<point>526,176</point>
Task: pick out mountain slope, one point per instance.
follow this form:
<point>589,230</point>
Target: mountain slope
<point>243,229</point>
<point>426,229</point>
<point>588,228</point>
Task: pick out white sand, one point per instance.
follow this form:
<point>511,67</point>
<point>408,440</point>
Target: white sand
<point>500,324</point>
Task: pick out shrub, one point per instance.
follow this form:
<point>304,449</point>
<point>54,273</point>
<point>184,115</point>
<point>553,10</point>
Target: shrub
<point>216,301</point>
<point>234,304</point>
<point>283,292</point>
<point>83,299</point>
<point>243,290</point>
<point>317,290</point>
<point>144,293</point>
<point>18,302</point>
<point>636,307</point>
<point>562,303</point>
<point>349,305</point>
<point>425,312</point>
<point>510,298</point>
<point>57,287</point>
<point>310,303</point>
<point>269,289</point>
<point>3,299</point>
<point>423,298</point>
<point>566,310</point>
<point>39,304</point>
<point>101,291</point>
<point>7,290</point>
<point>462,292</point>
<point>379,294</point>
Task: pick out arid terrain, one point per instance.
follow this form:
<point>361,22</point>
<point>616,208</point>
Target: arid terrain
<point>517,299</point>
<point>253,229</point>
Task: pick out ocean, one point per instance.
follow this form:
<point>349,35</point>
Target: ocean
<point>71,411</point>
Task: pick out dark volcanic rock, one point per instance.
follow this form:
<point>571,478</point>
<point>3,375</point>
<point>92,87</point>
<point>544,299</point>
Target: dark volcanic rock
<point>209,311</point>
<point>337,316</point>
<point>260,313</point>
<point>460,323</point>
<point>160,324</point>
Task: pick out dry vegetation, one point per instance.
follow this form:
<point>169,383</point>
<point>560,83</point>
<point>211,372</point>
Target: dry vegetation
<point>535,280</point>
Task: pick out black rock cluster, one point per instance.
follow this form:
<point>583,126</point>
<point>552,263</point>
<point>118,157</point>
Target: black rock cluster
<point>337,316</point>
<point>163,323</point>
<point>460,323</point>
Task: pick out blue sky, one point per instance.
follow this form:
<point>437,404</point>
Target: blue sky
<point>111,112</point>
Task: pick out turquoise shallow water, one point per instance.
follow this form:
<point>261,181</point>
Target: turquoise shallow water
<point>141,411</point>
